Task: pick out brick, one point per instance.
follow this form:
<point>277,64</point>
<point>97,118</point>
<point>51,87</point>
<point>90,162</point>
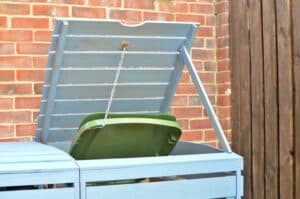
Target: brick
<point>201,8</point>
<point>222,7</point>
<point>180,101</point>
<point>198,42</point>
<point>49,10</point>
<point>210,66</point>
<point>223,101</point>
<point>7,75</point>
<point>40,61</point>
<point>183,123</point>
<point>198,1</point>
<point>222,88</point>
<point>30,75</point>
<point>210,89</point>
<point>15,117</point>
<point>203,54</point>
<point>205,32</point>
<point>89,12</point>
<point>190,18</point>
<point>188,112</point>
<point>201,124</point>
<point>223,42</point>
<point>3,22</point>
<point>15,89</point>
<point>224,65</point>
<point>35,115</point>
<point>43,35</point>
<point>105,3</point>
<point>15,61</point>
<point>226,123</point>
<point>185,77</point>
<point>224,112</point>
<point>207,77</point>
<point>223,53</point>
<point>25,129</point>
<point>167,6</point>
<point>68,1</point>
<point>223,77</point>
<point>192,136</point>
<point>38,1</point>
<point>14,9</point>
<point>27,22</point>
<point>210,20</point>
<point>222,19</point>
<point>210,43</point>
<point>185,89</point>
<point>145,4</point>
<point>199,65</point>
<point>128,15</point>
<point>210,135</point>
<point>158,16</point>
<point>6,103</point>
<point>194,101</point>
<point>16,139</point>
<point>7,48</point>
<point>27,102</point>
<point>6,131</point>
<point>32,48</point>
<point>222,31</point>
<point>37,88</point>
<point>16,35</point>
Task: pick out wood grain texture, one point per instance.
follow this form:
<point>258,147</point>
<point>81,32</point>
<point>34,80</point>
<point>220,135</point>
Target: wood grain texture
<point>245,95</point>
<point>270,99</point>
<point>235,76</point>
<point>257,97</point>
<point>296,71</point>
<point>274,72</point>
<point>284,51</point>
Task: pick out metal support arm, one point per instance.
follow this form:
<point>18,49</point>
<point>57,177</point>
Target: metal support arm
<point>205,100</point>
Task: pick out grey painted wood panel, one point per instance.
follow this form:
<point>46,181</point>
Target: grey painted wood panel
<point>109,43</point>
<point>92,59</point>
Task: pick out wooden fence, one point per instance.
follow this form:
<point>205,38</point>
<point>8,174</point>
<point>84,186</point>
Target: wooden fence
<point>265,55</point>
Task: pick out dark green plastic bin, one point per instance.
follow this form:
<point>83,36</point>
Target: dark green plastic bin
<point>125,135</point>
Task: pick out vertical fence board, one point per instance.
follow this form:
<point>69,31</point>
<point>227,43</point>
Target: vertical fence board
<point>296,61</point>
<point>245,89</point>
<point>235,76</point>
<point>257,107</point>
<point>265,61</point>
<point>285,98</point>
<point>270,94</point>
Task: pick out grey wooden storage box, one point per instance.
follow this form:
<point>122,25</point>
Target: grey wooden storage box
<point>82,63</point>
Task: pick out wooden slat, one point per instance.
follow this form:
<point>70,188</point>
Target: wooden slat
<point>245,97</point>
<point>92,59</point>
<point>257,92</point>
<point>296,71</point>
<point>34,168</point>
<point>86,76</point>
<point>73,120</point>
<point>110,43</point>
<point>103,91</point>
<point>285,99</point>
<point>67,193</point>
<point>56,63</point>
<point>93,105</point>
<point>235,74</point>
<point>96,27</point>
<point>132,168</point>
<point>205,188</point>
<point>271,100</point>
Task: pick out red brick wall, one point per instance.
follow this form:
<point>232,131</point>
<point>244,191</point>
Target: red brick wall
<point>25,33</point>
